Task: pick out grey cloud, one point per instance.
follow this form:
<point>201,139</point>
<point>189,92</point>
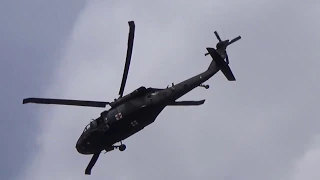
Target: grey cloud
<point>255,128</point>
<point>31,32</point>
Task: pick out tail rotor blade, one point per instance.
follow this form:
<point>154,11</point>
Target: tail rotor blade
<point>234,40</point>
<point>217,35</point>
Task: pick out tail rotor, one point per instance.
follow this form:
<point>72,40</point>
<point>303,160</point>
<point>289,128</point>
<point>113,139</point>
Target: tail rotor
<point>220,56</point>
<point>222,46</point>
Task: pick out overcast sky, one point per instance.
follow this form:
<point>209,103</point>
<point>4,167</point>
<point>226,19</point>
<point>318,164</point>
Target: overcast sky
<point>263,126</point>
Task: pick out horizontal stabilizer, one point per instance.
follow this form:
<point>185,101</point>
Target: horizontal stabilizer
<point>65,102</point>
<point>225,68</point>
<point>186,103</point>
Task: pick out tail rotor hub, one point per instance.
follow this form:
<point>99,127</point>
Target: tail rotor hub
<point>222,46</point>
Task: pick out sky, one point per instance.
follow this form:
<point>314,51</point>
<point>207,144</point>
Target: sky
<point>31,34</point>
<point>263,126</point>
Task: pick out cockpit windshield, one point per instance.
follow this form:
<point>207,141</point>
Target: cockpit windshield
<point>91,125</point>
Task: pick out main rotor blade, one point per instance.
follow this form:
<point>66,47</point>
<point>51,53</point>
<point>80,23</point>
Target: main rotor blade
<point>65,102</point>
<point>128,57</point>
<point>92,163</point>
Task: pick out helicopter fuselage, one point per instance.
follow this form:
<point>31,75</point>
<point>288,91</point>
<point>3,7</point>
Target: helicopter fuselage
<point>131,113</point>
<point>136,113</point>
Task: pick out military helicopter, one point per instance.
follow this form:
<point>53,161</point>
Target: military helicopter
<point>129,114</point>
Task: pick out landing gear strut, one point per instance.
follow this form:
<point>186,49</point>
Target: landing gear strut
<point>205,86</point>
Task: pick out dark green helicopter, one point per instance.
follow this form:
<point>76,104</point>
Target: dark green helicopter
<point>131,113</point>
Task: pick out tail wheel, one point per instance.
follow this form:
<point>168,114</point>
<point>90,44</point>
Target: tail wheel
<point>122,147</point>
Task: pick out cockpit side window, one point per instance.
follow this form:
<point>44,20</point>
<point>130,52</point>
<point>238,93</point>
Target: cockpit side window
<point>93,124</point>
<point>86,128</point>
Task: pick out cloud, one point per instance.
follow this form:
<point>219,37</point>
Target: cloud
<point>306,166</point>
<point>30,32</point>
<point>254,128</point>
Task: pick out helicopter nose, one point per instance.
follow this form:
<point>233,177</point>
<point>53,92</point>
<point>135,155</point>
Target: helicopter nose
<point>81,146</point>
<point>84,145</point>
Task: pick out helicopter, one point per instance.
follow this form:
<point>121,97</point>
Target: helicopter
<point>131,113</point>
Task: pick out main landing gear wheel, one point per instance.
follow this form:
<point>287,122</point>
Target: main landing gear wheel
<point>122,147</point>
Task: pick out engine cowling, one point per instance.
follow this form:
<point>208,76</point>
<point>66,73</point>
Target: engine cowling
<point>136,93</point>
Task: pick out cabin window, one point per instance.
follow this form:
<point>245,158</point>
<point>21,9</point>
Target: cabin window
<point>155,93</point>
